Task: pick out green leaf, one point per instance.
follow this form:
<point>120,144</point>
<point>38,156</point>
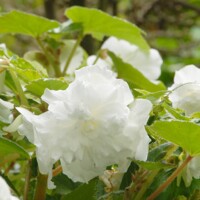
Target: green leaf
<point>159,152</point>
<point>174,112</point>
<point>151,96</point>
<point>27,71</point>
<point>37,87</point>
<point>133,76</point>
<point>71,28</point>
<point>64,185</point>
<point>10,150</point>
<point>154,165</point>
<point>100,24</point>
<point>184,134</point>
<point>24,23</point>
<point>85,191</point>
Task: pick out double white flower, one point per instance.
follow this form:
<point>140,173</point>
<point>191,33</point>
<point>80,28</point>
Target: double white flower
<point>92,124</point>
<point>148,63</point>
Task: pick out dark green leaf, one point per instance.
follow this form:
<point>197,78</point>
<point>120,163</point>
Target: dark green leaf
<point>83,192</point>
<point>64,185</point>
<point>154,165</point>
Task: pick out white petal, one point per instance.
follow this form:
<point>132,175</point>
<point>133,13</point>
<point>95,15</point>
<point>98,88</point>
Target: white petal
<point>188,74</point>
<point>186,97</point>
<point>5,111</point>
<point>148,63</point>
<point>26,128</point>
<point>5,193</point>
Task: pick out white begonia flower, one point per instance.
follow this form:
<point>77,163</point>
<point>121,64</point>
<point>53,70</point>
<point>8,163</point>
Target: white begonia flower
<point>6,115</point>
<point>92,124</point>
<point>5,193</point>
<point>186,89</point>
<point>148,63</point>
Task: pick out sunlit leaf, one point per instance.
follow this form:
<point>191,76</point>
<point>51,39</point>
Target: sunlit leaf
<point>37,87</point>
<point>100,24</point>
<point>24,23</point>
<point>184,134</point>
<point>133,76</point>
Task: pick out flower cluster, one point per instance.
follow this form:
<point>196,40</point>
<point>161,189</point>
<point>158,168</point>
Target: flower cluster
<point>92,124</point>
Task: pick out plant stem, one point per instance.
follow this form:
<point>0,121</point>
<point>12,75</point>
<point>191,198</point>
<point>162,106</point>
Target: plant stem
<point>27,180</point>
<point>57,170</point>
<point>146,185</point>
<point>41,186</point>
<point>49,57</point>
<point>170,179</point>
<point>78,41</point>
<point>20,91</point>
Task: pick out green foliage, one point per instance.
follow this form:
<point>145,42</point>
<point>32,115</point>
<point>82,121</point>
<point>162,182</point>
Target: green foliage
<point>24,23</point>
<point>100,24</point>
<point>24,80</point>
<point>133,76</point>
<point>85,191</point>
<point>184,134</point>
<point>37,87</point>
<point>10,151</point>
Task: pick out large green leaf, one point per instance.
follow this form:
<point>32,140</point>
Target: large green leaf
<point>24,23</point>
<point>100,24</point>
<point>37,87</point>
<point>184,134</point>
<point>133,76</point>
<point>85,191</point>
<point>9,150</point>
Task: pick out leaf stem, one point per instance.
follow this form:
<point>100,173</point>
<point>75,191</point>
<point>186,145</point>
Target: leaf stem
<point>40,192</point>
<point>57,170</point>
<point>20,91</point>
<point>146,185</point>
<point>170,179</point>
<point>49,58</point>
<point>27,180</point>
<point>78,41</point>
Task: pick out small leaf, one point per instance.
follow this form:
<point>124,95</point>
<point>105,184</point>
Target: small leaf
<point>10,149</point>
<point>64,185</point>
<point>154,165</point>
<point>100,24</point>
<point>85,191</point>
<point>159,152</point>
<point>37,87</point>
<point>174,113</point>
<point>24,23</point>
<point>184,134</point>
<point>133,76</point>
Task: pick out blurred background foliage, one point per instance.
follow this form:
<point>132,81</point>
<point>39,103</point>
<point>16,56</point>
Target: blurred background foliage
<point>172,27</point>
